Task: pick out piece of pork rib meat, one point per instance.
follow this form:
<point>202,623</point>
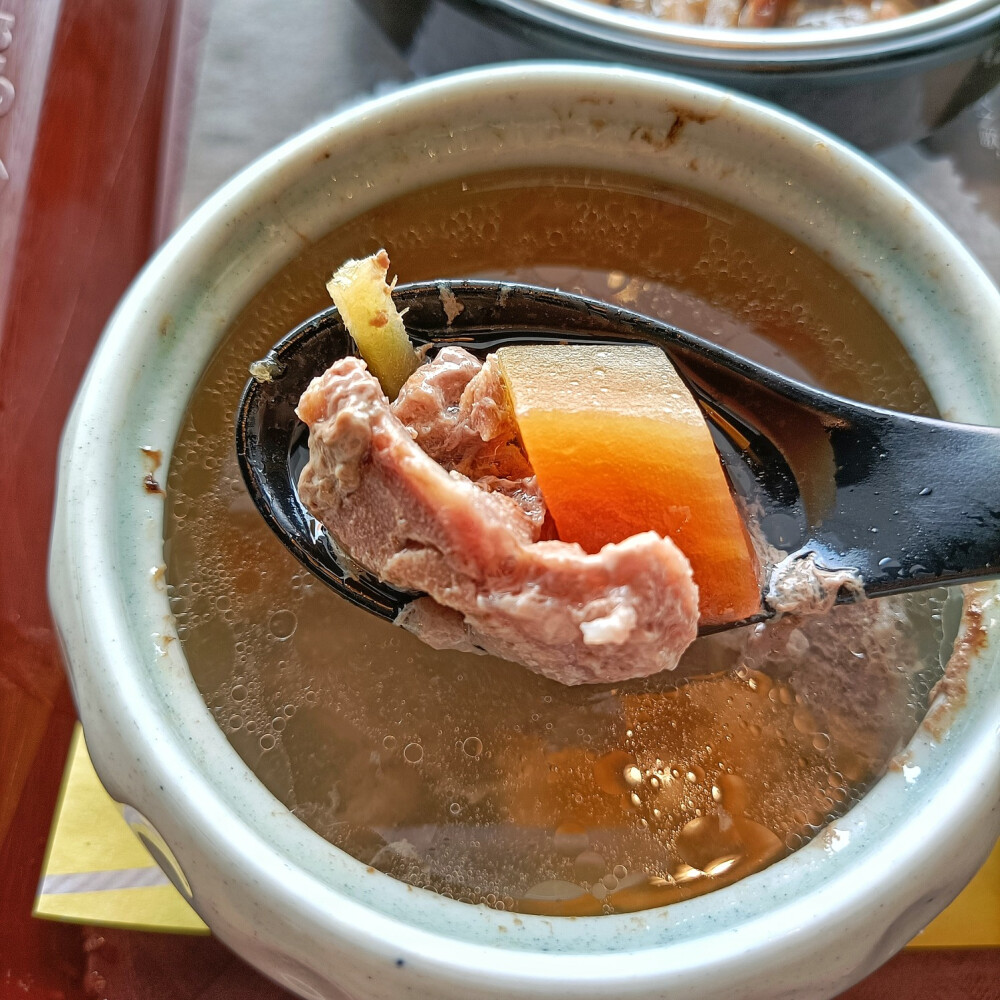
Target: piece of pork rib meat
<point>627,611</point>
<point>450,404</point>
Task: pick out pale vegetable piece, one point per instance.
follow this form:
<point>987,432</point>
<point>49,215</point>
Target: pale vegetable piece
<point>619,446</point>
<point>364,299</point>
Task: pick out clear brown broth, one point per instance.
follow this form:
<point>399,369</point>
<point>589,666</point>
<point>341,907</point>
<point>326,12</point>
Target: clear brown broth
<point>470,775</point>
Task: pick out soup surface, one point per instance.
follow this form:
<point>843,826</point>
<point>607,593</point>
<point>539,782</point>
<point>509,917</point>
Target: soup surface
<point>470,775</point>
<point>772,13</point>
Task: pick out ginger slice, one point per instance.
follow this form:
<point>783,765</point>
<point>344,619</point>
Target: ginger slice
<point>364,299</point>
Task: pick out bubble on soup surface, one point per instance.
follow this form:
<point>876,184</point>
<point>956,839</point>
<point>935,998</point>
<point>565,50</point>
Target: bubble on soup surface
<point>589,866</point>
<point>570,839</point>
<point>555,889</point>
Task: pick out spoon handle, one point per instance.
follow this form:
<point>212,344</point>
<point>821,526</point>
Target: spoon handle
<point>917,500</point>
<point>907,502</point>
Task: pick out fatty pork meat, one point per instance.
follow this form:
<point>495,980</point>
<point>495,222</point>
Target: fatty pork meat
<point>433,494</point>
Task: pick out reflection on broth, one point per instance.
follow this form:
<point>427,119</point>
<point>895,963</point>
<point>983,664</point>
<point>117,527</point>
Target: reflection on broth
<point>470,775</point>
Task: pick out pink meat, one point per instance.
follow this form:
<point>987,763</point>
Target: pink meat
<point>627,611</point>
<point>430,404</point>
<point>450,406</point>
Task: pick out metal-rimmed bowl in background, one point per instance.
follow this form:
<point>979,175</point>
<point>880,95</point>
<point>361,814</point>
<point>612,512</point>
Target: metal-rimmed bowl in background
<point>874,84</point>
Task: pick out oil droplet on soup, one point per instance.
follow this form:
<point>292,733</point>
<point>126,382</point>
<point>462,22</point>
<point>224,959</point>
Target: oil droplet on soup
<point>470,775</point>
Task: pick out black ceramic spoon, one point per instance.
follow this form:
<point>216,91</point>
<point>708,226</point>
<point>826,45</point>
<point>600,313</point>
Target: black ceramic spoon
<point>907,502</point>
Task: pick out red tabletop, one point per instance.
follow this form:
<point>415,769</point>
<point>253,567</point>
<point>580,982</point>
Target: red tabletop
<point>103,85</point>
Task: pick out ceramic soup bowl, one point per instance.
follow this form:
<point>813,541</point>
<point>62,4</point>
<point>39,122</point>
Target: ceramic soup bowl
<point>307,914</point>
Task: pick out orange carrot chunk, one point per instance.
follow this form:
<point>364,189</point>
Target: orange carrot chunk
<point>619,446</point>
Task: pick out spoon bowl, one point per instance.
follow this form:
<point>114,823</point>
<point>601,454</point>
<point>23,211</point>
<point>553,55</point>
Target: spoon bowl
<point>887,501</point>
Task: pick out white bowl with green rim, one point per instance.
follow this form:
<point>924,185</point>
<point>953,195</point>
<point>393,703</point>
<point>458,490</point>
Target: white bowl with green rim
<point>305,913</point>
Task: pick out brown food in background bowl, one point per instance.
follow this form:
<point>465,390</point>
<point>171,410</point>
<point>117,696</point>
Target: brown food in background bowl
<point>771,13</point>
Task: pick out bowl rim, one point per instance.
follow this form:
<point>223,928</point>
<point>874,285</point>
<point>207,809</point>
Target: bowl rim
<point>775,49</point>
<point>162,745</point>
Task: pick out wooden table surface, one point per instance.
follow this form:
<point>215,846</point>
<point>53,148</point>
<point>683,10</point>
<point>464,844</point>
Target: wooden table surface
<point>112,88</point>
